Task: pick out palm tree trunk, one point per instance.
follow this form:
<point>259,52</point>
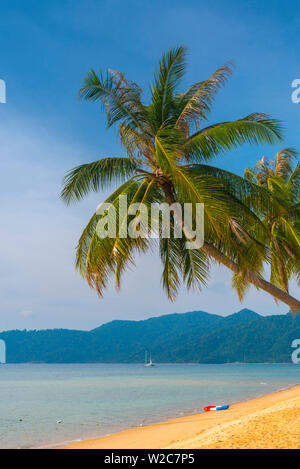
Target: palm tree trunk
<point>211,251</point>
<point>253,278</point>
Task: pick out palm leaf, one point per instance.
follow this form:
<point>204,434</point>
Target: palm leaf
<point>195,103</point>
<point>215,139</point>
<point>82,250</point>
<point>171,71</point>
<point>120,99</point>
<point>95,176</point>
<point>283,163</point>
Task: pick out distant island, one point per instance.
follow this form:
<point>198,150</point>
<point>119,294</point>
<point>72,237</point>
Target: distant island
<point>194,337</point>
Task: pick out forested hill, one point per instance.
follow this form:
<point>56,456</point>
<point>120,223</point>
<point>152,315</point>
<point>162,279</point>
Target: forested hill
<point>190,337</point>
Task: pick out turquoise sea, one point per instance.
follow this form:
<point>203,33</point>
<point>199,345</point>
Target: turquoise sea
<point>97,399</point>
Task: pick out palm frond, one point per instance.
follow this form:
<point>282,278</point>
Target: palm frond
<point>216,139</point>
<point>82,250</point>
<point>283,162</point>
<point>137,145</point>
<point>256,198</point>
<point>95,176</point>
<point>168,143</point>
<point>119,98</point>
<point>240,285</point>
<point>195,104</point>
<point>104,258</point>
<point>282,183</point>
<point>293,184</point>
<point>170,73</point>
<point>170,258</point>
<point>182,265</point>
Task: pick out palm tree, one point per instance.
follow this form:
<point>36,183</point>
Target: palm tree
<point>283,181</point>
<point>167,161</point>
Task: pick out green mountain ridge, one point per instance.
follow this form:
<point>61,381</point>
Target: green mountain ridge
<point>196,337</point>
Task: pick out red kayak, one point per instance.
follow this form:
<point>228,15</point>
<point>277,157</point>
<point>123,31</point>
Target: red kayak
<point>208,408</point>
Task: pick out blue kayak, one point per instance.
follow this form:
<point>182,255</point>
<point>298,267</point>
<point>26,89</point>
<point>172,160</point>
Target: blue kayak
<point>222,407</point>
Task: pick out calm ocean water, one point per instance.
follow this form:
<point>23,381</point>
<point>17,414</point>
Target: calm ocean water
<point>98,399</point>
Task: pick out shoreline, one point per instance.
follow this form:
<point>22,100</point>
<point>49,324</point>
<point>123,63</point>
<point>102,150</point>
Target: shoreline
<point>268,421</point>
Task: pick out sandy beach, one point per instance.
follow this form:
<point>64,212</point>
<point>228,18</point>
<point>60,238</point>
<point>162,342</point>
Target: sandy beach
<point>271,421</point>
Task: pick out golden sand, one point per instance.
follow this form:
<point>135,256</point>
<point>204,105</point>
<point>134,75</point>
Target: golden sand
<point>271,421</point>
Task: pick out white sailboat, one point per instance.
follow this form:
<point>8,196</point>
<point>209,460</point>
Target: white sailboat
<point>150,363</point>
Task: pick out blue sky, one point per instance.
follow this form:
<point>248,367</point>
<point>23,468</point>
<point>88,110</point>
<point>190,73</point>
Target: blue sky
<point>46,48</point>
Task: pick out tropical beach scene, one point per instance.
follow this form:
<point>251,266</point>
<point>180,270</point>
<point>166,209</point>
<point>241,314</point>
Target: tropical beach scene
<point>150,202</point>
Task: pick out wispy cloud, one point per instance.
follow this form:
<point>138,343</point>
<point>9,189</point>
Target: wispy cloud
<point>27,313</point>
